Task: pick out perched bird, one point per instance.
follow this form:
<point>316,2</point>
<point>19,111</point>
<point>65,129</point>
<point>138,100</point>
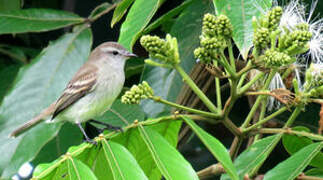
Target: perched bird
<point>90,92</point>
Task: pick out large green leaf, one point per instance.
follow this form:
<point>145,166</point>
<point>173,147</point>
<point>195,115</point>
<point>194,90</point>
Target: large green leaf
<point>36,20</point>
<point>293,144</point>
<point>59,145</point>
<point>175,167</point>
<point>121,163</point>
<point>7,5</point>
<point>166,82</point>
<point>315,172</point>
<point>120,10</point>
<point>38,85</point>
<point>78,170</point>
<point>7,74</point>
<point>294,165</point>
<point>137,19</point>
<point>122,114</point>
<point>134,143</point>
<point>215,147</point>
<point>240,13</point>
<point>164,19</point>
<point>252,158</point>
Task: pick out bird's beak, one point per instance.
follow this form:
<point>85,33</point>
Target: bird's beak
<point>129,54</point>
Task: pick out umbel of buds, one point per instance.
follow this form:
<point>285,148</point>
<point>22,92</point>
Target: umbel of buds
<point>137,93</point>
<point>216,26</point>
<point>295,42</point>
<point>216,30</point>
<point>314,77</point>
<point>165,50</point>
<point>261,38</point>
<point>274,18</point>
<point>273,58</point>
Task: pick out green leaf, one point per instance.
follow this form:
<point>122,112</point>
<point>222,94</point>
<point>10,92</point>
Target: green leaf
<point>38,85</point>
<point>99,9</point>
<point>134,143</point>
<point>294,165</point>
<point>78,170</point>
<point>121,163</point>
<point>215,147</point>
<point>252,158</point>
<point>36,20</point>
<point>240,13</point>
<point>175,167</point>
<point>315,172</point>
<point>48,168</point>
<point>134,67</point>
<point>60,144</point>
<point>7,74</point>
<point>166,82</point>
<point>8,5</point>
<point>137,19</point>
<point>120,10</point>
<point>293,144</point>
<point>122,114</point>
<point>167,16</point>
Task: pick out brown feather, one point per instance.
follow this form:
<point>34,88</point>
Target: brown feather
<point>82,83</point>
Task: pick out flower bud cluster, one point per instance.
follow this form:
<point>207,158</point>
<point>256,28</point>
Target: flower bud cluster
<point>273,58</point>
<point>284,43</point>
<point>215,31</point>
<point>216,26</point>
<point>164,50</point>
<point>274,17</point>
<point>295,42</point>
<point>136,93</point>
<point>261,38</point>
<point>314,76</point>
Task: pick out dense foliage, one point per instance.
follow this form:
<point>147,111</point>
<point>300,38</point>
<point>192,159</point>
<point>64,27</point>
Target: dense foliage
<point>230,90</point>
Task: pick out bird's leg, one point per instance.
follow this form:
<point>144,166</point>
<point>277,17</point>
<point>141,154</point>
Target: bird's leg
<point>107,126</point>
<point>87,139</point>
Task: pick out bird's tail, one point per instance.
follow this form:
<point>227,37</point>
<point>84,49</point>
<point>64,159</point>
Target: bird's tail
<point>34,121</point>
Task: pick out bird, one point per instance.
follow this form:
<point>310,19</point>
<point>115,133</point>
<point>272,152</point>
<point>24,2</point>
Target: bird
<point>90,92</point>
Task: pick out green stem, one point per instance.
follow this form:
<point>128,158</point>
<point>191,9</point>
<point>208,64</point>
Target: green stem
<point>262,121</point>
<point>223,61</point>
<point>197,90</point>
<point>292,118</point>
<point>153,63</point>
<point>218,89</point>
<point>232,60</point>
<point>188,109</point>
<point>312,136</point>
<point>259,99</point>
<point>247,68</point>
<point>246,87</point>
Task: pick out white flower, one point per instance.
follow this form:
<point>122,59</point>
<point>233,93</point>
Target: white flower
<point>276,83</point>
<point>295,13</point>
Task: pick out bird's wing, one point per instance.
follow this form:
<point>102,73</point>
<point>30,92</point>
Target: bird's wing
<point>82,83</point>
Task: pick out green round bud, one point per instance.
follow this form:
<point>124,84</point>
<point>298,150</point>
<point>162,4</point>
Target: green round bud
<point>203,55</point>
<point>136,93</point>
<point>223,26</point>
<point>273,58</point>
<point>261,38</point>
<point>154,45</point>
<point>209,25</point>
<point>274,18</point>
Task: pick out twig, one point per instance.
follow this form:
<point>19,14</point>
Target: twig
<point>210,171</point>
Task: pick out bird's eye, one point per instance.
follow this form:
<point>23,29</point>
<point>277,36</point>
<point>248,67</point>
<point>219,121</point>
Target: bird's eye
<point>115,53</point>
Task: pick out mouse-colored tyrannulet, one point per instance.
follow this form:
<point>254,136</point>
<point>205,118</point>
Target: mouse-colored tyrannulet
<point>90,92</point>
